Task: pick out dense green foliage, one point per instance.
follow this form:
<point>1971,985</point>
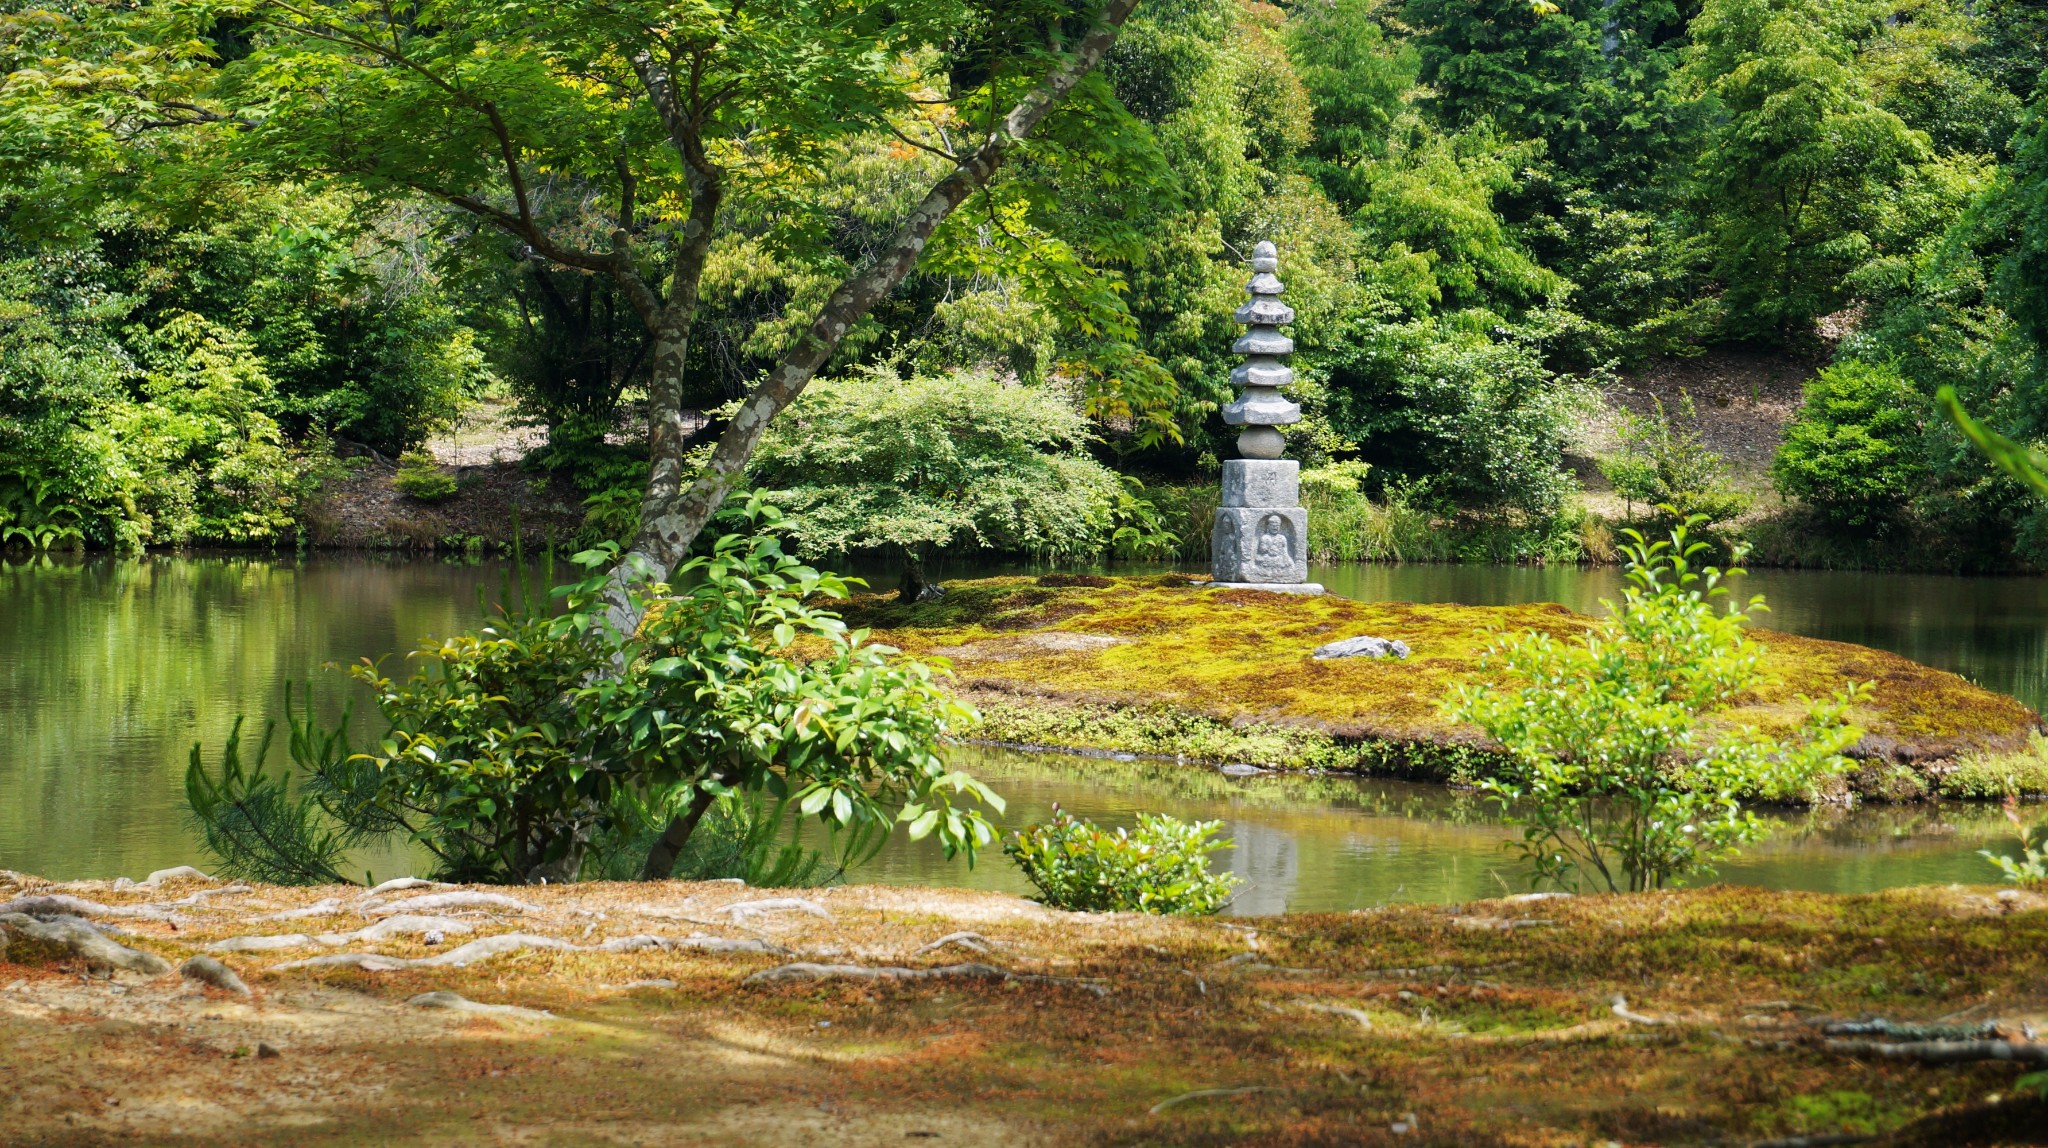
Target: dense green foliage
<point>1612,773</point>
<point>922,465</point>
<point>207,275</point>
<point>1855,450</point>
<point>548,741</point>
<point>1161,867</point>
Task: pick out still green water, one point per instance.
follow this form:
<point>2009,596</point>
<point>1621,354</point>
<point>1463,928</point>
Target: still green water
<point>110,669</point>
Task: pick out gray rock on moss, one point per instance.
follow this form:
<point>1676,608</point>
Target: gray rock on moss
<point>1362,647</point>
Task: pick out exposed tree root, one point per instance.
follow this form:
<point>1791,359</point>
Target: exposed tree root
<point>201,897</point>
<point>744,911</point>
<point>384,930</point>
<point>1832,1140</point>
<point>262,944</point>
<point>807,971</point>
<point>1620,1008</point>
<point>1945,1051</point>
<point>76,937</point>
<point>699,942</point>
<point>455,1002</point>
<point>65,905</point>
<point>208,971</point>
<point>398,884</point>
<point>1893,1030</point>
<point>1440,971</point>
<point>326,908</point>
<point>404,924</point>
<point>973,942</point>
<point>1250,963</point>
<point>1502,923</point>
<point>1204,1094</point>
<point>464,900</point>
<point>456,957</point>
<point>970,970</point>
<point>504,943</point>
<point>178,873</point>
<point>1359,1015</point>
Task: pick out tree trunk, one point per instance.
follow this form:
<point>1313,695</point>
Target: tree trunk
<point>671,521</point>
<point>916,586</point>
<point>671,517</point>
<point>661,860</point>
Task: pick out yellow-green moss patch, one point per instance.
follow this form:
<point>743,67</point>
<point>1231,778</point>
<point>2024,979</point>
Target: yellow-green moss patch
<point>1165,665</point>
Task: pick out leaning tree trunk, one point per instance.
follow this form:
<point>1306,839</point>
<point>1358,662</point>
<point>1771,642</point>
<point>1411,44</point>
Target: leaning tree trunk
<point>670,523</point>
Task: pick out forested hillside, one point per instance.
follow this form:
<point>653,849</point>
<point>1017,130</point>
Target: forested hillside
<point>245,248</point>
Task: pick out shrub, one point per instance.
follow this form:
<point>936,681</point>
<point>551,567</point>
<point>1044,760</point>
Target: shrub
<point>546,741</point>
<point>2030,867</point>
<point>920,465</point>
<point>421,478</point>
<point>1457,418</point>
<point>1854,451</point>
<point>1609,772</point>
<point>1664,463</point>
<point>1161,868</point>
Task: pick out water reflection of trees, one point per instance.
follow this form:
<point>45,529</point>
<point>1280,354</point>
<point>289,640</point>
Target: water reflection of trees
<point>111,668</point>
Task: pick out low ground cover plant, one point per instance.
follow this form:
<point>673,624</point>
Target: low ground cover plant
<point>1611,770</point>
<point>1161,867</point>
<point>2030,865</point>
<point>421,478</point>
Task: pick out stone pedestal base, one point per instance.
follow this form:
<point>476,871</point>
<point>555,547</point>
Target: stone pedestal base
<point>1259,544</point>
<point>1307,589</point>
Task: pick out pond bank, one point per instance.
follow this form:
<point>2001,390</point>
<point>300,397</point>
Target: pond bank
<point>1159,665</point>
<point>694,1013</point>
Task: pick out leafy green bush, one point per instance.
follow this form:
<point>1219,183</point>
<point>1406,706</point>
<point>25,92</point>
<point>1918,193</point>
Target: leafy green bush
<point>920,465</point>
<point>1854,451</point>
<point>1161,868</point>
<point>1141,530</point>
<point>1664,463</point>
<point>1455,418</point>
<point>420,477</point>
<point>2030,867</point>
<point>1610,773</point>
<point>513,748</point>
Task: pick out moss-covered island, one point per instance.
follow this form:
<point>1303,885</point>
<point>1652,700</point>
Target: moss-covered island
<point>1163,665</point>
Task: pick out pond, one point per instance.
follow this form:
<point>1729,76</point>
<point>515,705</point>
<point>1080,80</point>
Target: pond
<point>110,669</point>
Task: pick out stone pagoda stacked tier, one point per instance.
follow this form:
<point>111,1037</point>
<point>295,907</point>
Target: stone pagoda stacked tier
<point>1261,534</point>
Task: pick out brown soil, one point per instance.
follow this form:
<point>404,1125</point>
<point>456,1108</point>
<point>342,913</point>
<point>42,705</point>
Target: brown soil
<point>361,509</point>
<point>1744,399</point>
<point>1492,1023</point>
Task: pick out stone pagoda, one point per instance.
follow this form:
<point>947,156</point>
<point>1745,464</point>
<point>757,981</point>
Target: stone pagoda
<point>1261,537</point>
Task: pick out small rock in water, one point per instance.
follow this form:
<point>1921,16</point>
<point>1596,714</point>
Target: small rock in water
<point>1363,647</point>
<point>1239,769</point>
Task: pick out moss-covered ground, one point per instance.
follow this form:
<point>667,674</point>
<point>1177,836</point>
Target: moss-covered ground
<point>1164,665</point>
<point>1491,1023</point>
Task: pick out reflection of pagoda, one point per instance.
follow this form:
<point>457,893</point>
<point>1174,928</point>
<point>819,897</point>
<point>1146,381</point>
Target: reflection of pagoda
<point>1261,534</point>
